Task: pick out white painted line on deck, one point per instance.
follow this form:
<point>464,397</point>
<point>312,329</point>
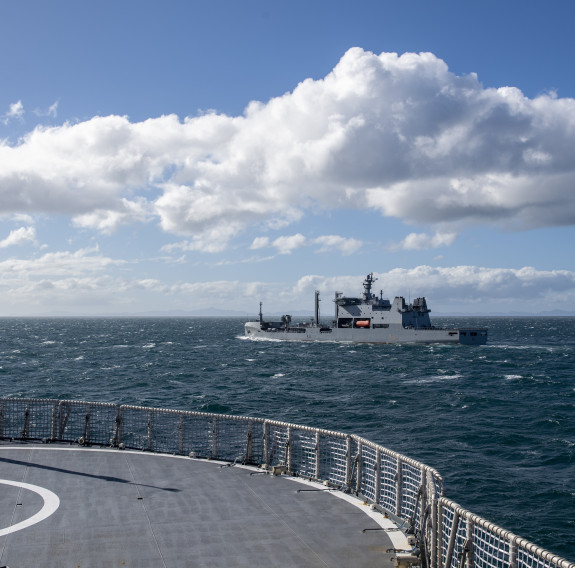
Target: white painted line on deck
<point>51,504</point>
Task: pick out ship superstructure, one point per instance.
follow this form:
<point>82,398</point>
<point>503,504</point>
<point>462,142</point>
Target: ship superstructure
<point>368,319</point>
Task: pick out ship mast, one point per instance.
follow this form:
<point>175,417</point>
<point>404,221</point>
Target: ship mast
<point>367,283</point>
<point>317,307</point>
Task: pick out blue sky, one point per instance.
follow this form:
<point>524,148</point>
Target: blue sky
<point>185,155</point>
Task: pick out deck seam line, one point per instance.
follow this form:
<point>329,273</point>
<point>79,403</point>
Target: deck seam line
<point>134,481</point>
<point>26,469</point>
<point>287,525</point>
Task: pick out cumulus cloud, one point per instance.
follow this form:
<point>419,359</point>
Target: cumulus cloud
<point>398,134</point>
<point>471,284</point>
<point>327,243</point>
<point>260,242</point>
<point>334,242</point>
<point>422,241</point>
<point>19,236</point>
<point>60,263</point>
<point>286,245</point>
<point>75,291</point>
<point>107,221</point>
<point>211,240</point>
<point>72,279</point>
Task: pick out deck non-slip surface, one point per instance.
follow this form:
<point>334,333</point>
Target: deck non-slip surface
<point>119,508</point>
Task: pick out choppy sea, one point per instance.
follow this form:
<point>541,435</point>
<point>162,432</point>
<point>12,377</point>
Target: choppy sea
<point>497,421</point>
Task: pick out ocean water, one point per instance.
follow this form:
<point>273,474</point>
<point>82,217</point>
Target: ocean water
<point>497,421</point>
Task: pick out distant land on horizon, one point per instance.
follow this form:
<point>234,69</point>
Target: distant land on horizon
<point>218,313</point>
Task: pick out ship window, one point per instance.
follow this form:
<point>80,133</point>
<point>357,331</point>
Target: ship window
<point>473,333</point>
<point>348,301</point>
<point>380,325</point>
<point>344,322</point>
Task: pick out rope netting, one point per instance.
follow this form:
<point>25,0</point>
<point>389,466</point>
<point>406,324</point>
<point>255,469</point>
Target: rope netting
<point>408,491</point>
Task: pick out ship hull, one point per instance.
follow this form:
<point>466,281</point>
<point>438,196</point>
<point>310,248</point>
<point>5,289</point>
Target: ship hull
<point>392,334</point>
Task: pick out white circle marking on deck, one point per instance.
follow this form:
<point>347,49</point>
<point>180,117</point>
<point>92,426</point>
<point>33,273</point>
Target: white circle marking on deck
<point>51,503</point>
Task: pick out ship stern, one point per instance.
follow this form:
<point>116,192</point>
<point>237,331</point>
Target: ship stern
<point>473,336</point>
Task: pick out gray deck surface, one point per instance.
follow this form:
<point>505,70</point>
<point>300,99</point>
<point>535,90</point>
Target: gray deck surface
<point>120,508</point>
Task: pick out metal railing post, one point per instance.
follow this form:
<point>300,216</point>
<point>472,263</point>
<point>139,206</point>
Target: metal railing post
<point>469,543</point>
<point>117,440</point>
<point>266,429</point>
<point>452,539</point>
<point>423,501</point>
<point>26,429</point>
<point>398,488</point>
<point>250,442</point>
<point>54,422</point>
<point>215,437</point>
<point>436,561</point>
<point>87,427</point>
<point>377,475</point>
<point>317,455</point>
<point>432,496</point>
<point>348,463</point>
<point>358,467</point>
<point>2,407</point>
<point>288,449</point>
<point>513,552</point>
<point>150,430</point>
<point>181,427</point>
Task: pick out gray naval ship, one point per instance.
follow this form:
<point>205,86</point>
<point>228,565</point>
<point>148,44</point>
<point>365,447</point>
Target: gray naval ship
<point>368,319</point>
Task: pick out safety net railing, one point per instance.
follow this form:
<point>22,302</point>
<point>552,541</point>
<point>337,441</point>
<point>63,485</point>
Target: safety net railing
<point>470,541</point>
<point>408,491</point>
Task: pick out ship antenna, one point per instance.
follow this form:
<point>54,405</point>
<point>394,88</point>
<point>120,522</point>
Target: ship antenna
<point>261,316</point>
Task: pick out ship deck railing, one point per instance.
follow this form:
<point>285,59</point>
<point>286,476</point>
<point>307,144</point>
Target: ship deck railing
<point>397,486</point>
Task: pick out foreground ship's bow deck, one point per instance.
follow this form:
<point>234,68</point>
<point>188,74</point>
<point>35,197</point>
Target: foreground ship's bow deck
<point>120,508</point>
<point>122,485</point>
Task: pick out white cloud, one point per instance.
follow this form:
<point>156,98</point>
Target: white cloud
<point>91,293</point>
<point>422,241</point>
<point>327,243</point>
<point>260,242</point>
<point>51,111</point>
<point>62,263</point>
<point>287,244</point>
<point>19,236</point>
<point>23,218</point>
<point>398,134</point>
<point>346,246</point>
<point>88,287</point>
<point>211,240</point>
<point>16,111</point>
<point>107,221</point>
<point>472,284</point>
